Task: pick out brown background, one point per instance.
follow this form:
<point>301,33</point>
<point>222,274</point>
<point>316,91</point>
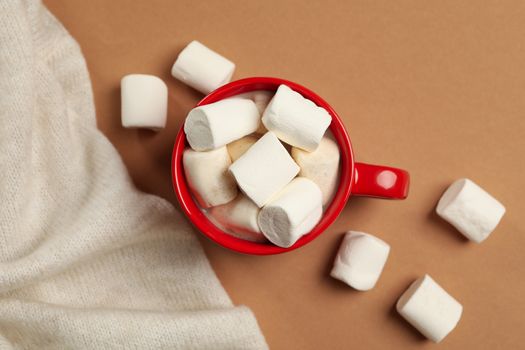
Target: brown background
<point>436,87</point>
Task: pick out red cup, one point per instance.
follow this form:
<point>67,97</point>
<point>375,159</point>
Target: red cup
<point>355,178</point>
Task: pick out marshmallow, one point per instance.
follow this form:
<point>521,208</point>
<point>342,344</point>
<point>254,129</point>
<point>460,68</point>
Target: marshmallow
<point>470,209</point>
<point>429,308</point>
<point>201,68</point>
<point>321,166</point>
<point>292,213</point>
<point>295,119</point>
<point>217,124</point>
<point>264,169</point>
<point>208,177</point>
<point>239,147</point>
<point>144,100</point>
<point>262,98</point>
<point>309,223</point>
<point>240,218</point>
<point>360,260</point>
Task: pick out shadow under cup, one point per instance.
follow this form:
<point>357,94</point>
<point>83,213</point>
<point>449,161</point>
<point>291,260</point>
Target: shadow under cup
<point>207,227</point>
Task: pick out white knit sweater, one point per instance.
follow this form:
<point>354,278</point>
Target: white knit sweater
<point>87,261</point>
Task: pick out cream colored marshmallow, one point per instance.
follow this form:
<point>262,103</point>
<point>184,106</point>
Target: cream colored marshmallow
<point>239,147</point>
<point>202,68</point>
<point>264,170</point>
<point>217,124</point>
<point>295,119</point>
<point>321,166</point>
<point>262,98</point>
<point>240,218</point>
<point>144,101</point>
<point>360,260</point>
<point>208,177</point>
<point>430,309</point>
<point>292,213</point>
<point>470,209</point>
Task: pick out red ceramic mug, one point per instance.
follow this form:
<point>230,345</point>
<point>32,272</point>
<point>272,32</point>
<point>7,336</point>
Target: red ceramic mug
<point>355,178</point>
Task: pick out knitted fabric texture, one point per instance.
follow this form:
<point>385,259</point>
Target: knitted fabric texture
<point>86,260</point>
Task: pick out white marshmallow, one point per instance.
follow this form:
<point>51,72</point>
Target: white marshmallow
<point>360,260</point>
<point>470,209</point>
<point>240,218</point>
<point>217,124</point>
<point>295,119</point>
<point>239,147</point>
<point>292,213</point>
<point>208,177</point>
<point>144,101</point>
<point>429,308</point>
<point>321,166</point>
<point>264,169</point>
<point>202,68</point>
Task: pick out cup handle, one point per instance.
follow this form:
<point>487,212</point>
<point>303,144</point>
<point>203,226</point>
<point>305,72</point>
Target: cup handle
<point>380,181</point>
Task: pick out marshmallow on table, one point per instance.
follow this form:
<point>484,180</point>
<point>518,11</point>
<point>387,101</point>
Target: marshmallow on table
<point>470,209</point>
<point>202,68</point>
<point>239,147</point>
<point>208,177</point>
<point>291,213</point>
<point>360,260</point>
<point>295,119</point>
<point>217,124</point>
<point>321,166</point>
<point>264,169</point>
<point>144,100</point>
<point>240,218</point>
<point>429,308</point>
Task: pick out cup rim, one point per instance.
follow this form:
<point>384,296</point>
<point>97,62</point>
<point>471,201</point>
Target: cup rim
<point>194,213</point>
